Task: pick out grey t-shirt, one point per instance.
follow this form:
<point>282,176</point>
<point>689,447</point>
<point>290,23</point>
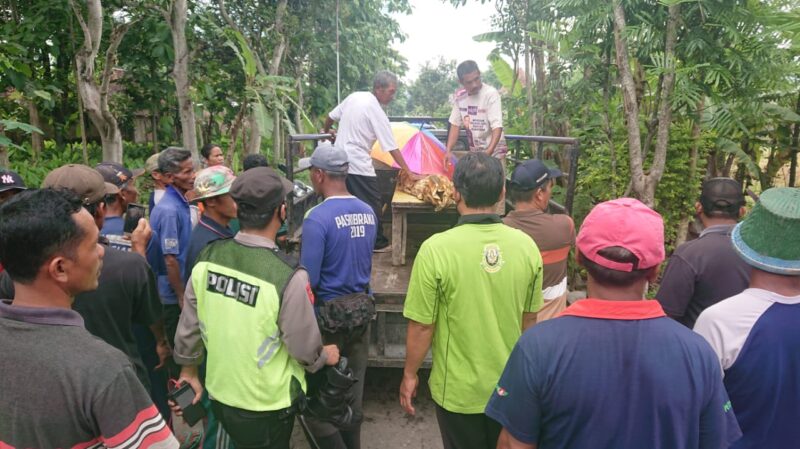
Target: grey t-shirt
<point>127,293</point>
<point>702,273</point>
<point>62,387</point>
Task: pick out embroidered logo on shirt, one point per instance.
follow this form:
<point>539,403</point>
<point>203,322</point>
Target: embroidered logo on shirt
<point>170,243</point>
<point>492,258</point>
<point>501,391</point>
<point>727,407</point>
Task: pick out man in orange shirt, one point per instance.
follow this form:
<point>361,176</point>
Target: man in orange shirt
<point>554,234</point>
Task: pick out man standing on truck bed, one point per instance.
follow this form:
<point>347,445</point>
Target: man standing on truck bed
<point>477,107</point>
<point>362,121</point>
<point>473,289</point>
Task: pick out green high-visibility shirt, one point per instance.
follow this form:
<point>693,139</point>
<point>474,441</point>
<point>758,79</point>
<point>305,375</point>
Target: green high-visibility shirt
<point>473,282</point>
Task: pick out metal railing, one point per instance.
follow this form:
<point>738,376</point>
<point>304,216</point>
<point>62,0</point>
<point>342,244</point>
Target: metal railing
<point>294,219</point>
<point>574,152</point>
<point>295,141</point>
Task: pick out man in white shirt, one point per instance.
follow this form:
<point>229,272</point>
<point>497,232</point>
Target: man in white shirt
<point>477,107</point>
<point>362,121</point>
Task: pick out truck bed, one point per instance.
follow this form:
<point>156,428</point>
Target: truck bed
<point>387,333</point>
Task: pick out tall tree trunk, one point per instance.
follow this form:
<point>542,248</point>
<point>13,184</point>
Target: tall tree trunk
<point>84,143</point>
<point>541,86</point>
<point>176,17</point>
<point>794,149</point>
<point>254,141</point>
<point>638,183</point>
<point>298,111</point>
<point>683,228</point>
<point>612,149</point>
<point>529,82</point>
<point>665,106</point>
<point>94,95</point>
<point>277,138</point>
<point>643,186</point>
<point>37,140</point>
<point>234,133</point>
<point>277,53</point>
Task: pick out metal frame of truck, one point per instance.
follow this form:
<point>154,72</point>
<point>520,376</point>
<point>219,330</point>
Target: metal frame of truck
<point>386,343</point>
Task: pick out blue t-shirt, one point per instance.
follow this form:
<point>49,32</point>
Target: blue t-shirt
<point>757,339</point>
<point>113,226</point>
<point>611,375</point>
<point>338,240</point>
<point>206,231</point>
<point>172,222</point>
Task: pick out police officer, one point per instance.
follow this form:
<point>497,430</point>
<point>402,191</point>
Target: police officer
<point>251,310</point>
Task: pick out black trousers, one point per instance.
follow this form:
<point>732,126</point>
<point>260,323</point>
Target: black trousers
<point>467,431</point>
<point>252,430</point>
<point>365,188</point>
<point>352,346</point>
<point>172,314</point>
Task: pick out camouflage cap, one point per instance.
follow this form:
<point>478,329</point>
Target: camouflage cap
<point>213,181</point>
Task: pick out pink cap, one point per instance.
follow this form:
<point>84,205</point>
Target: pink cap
<point>627,223</point>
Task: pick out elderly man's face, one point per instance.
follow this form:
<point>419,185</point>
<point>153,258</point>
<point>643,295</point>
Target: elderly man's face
<point>385,95</point>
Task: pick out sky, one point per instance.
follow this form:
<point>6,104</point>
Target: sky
<point>435,28</point>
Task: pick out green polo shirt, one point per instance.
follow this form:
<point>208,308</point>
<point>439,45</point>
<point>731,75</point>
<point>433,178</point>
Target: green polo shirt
<point>473,282</point>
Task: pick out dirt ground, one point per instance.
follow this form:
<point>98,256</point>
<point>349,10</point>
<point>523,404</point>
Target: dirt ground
<point>386,425</point>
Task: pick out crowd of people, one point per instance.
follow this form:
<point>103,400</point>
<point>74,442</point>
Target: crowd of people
<point>101,313</point>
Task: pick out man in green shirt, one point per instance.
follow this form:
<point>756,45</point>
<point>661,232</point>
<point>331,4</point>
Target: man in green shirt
<point>473,289</point>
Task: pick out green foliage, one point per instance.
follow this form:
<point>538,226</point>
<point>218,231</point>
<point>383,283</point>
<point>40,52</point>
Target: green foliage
<point>735,66</point>
<point>33,170</point>
<point>429,94</point>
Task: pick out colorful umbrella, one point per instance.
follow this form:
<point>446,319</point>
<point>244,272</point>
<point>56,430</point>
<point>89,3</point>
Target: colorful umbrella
<point>402,134</point>
<point>423,152</point>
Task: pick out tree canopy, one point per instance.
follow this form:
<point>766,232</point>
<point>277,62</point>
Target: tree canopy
<point>661,94</point>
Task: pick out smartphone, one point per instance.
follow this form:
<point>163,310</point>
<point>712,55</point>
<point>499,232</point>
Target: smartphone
<point>132,216</point>
<point>183,396</point>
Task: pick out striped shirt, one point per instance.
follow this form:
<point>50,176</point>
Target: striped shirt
<point>60,387</point>
<point>554,234</point>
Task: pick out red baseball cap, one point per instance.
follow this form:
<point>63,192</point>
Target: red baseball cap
<point>627,223</point>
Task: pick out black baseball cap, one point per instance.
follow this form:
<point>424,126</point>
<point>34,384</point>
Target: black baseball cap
<point>10,180</point>
<point>532,174</point>
<point>117,174</point>
<point>260,189</point>
<point>721,193</point>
